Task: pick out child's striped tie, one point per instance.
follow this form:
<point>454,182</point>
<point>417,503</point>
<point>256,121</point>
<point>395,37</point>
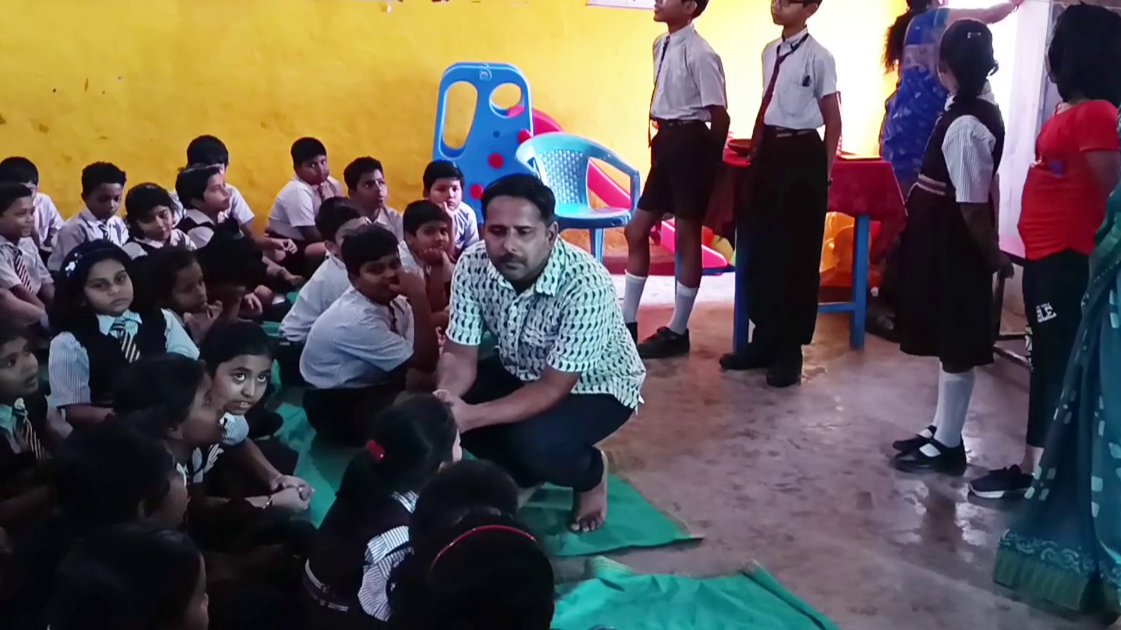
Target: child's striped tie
<point>20,267</point>
<point>128,346</point>
<point>26,432</point>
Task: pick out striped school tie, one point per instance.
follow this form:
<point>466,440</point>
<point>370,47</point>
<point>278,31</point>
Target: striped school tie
<point>20,267</point>
<point>128,345</point>
<point>26,432</point>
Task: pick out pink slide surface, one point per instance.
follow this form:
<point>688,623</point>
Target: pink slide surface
<point>611,193</point>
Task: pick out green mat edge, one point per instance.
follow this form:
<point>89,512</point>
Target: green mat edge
<point>692,535</point>
<point>761,576</point>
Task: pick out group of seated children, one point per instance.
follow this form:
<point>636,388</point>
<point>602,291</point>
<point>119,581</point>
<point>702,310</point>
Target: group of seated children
<point>141,484</point>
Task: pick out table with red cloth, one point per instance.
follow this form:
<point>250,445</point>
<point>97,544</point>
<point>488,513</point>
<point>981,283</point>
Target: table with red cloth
<point>863,188</point>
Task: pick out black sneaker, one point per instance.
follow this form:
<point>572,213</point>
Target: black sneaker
<point>910,444</point>
<point>664,344</point>
<point>998,484</point>
<point>632,328</point>
<point>950,461</point>
<point>786,371</point>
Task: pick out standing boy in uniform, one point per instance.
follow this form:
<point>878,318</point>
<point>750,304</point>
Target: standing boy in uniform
<point>689,110</point>
<point>791,169</point>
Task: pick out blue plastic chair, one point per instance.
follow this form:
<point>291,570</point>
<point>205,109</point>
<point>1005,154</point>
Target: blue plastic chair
<point>562,161</point>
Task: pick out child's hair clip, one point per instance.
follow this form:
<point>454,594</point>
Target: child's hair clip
<point>376,451</point>
<point>69,268</point>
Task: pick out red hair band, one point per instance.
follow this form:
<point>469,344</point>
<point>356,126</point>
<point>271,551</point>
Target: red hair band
<point>376,451</point>
<point>478,530</point>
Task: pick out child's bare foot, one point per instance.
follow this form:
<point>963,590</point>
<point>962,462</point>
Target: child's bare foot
<point>589,509</point>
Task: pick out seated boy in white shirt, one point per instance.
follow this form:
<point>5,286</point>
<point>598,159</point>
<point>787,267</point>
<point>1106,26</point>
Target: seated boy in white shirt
<point>26,288</point>
<point>443,186</point>
<point>337,220</point>
<point>210,151</point>
<point>425,253</point>
<point>48,220</point>
<point>103,188</point>
<point>293,212</point>
<point>366,346</point>
<point>367,189</point>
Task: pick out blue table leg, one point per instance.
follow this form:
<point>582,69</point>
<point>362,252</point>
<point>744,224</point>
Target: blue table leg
<point>860,282</point>
<point>741,317</point>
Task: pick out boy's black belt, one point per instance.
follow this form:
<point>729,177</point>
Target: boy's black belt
<point>661,123</point>
<point>782,132</point>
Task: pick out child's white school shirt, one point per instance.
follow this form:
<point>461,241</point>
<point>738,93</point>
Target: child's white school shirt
<point>239,207</point>
<point>466,227</point>
<point>968,149</point>
<point>135,247</point>
<point>688,77</point>
<point>26,251</point>
<point>383,554</point>
<point>297,204</point>
<point>84,228</point>
<point>69,364</point>
<point>808,74</point>
<point>356,343</point>
<point>324,287</point>
<point>392,220</point>
<point>48,221</point>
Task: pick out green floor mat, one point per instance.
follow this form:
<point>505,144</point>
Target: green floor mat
<point>616,598</point>
<point>320,466</point>
<point>631,522</point>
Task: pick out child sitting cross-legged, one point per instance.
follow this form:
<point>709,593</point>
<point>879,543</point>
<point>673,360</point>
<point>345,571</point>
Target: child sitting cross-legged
<point>48,221</point>
<point>151,224</point>
<point>375,340</point>
<point>443,186</point>
<point>26,437</point>
<point>103,187</point>
<point>172,280</point>
<point>293,213</point>
<point>255,543</point>
<point>410,443</point>
<point>26,288</point>
<point>366,188</point>
<point>101,331</point>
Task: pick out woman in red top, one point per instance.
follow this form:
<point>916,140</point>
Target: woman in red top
<point>1078,164</point>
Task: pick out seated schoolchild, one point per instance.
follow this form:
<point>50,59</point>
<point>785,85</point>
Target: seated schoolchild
<point>103,187</point>
<point>100,331</point>
<point>210,151</point>
<point>484,570</point>
<point>443,186</point>
<point>254,540</point>
<point>27,438</point>
<point>336,221</point>
<point>425,253</point>
<point>26,288</point>
<point>453,493</point>
<point>172,279</point>
<point>410,442</point>
<point>234,272</point>
<point>131,576</point>
<point>293,213</point>
<point>367,189</point>
<point>101,476</point>
<point>48,220</point>
<point>239,358</point>
<point>151,225</point>
<point>362,349</point>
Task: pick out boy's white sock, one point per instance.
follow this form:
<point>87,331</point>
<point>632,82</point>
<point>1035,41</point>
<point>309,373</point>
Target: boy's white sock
<point>632,296</point>
<point>954,393</point>
<point>682,308</point>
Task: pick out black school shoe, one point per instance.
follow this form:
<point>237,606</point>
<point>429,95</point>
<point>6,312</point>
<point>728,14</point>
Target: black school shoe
<point>786,371</point>
<point>910,444</point>
<point>750,359</point>
<point>664,344</point>
<point>998,484</point>
<point>950,461</point>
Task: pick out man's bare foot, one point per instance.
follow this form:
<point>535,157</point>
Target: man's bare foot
<point>589,509</point>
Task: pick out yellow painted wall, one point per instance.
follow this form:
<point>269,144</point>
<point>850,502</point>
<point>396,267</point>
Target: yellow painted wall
<point>131,81</point>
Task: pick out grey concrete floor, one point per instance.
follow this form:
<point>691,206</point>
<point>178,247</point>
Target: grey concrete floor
<point>799,480</point>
